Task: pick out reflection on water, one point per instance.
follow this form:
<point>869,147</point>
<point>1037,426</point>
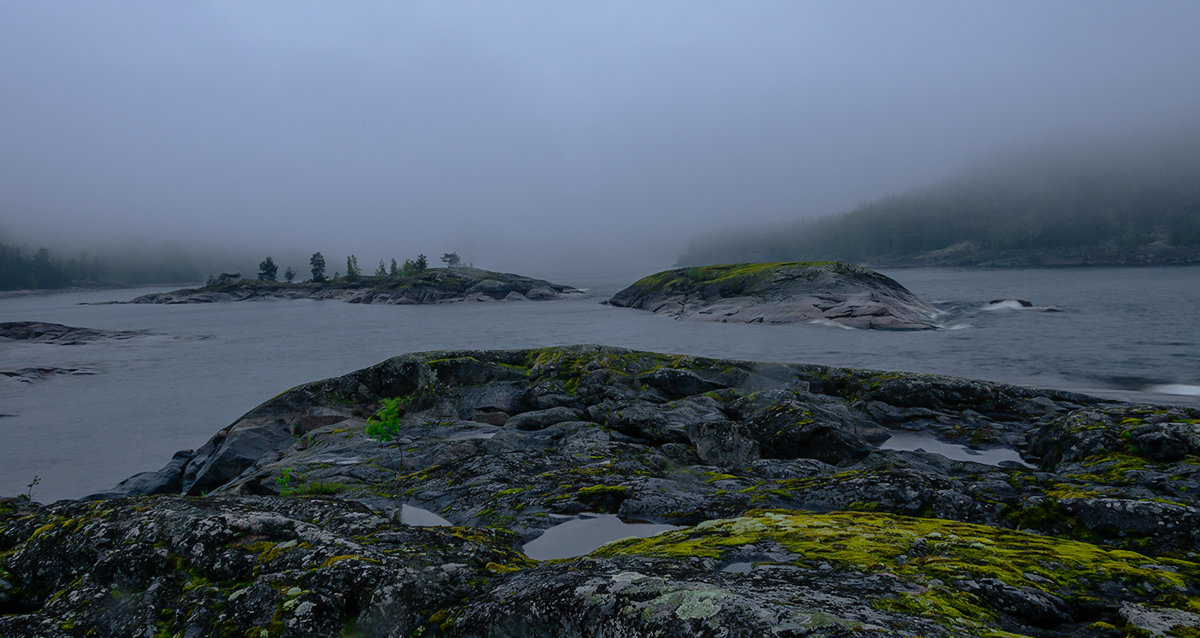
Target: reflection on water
<point>911,441</point>
<point>583,535</point>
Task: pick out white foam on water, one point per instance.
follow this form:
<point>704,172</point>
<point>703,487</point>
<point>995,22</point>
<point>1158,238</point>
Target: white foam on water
<point>831,324</point>
<point>1007,304</point>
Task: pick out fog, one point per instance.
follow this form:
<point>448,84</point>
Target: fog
<point>541,137</point>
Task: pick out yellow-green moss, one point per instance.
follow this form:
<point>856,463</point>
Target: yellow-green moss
<point>701,275</point>
<point>603,489</point>
<point>501,569</point>
<point>1109,468</point>
<point>929,552</point>
<point>1066,490</point>
<point>711,477</point>
<point>337,559</point>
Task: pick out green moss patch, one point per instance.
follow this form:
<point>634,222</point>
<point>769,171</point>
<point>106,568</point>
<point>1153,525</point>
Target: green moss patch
<point>729,273</point>
<point>933,555</point>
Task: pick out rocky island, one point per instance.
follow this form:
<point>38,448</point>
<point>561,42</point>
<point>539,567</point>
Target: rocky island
<point>433,285</point>
<point>789,510</point>
<point>784,292</point>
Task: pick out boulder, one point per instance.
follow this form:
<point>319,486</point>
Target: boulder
<point>724,444</point>
<point>539,419</point>
<point>786,292</point>
<point>168,480</point>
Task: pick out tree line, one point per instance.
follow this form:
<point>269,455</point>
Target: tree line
<point>268,270</point>
<point>29,269</point>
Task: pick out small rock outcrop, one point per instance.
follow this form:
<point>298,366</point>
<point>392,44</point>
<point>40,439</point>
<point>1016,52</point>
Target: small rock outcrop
<point>1018,304</point>
<point>58,334</point>
<point>31,374</point>
<point>788,292</point>
<point>434,285</point>
<point>791,515</point>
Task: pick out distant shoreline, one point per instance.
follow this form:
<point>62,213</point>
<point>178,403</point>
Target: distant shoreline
<point>968,256</point>
<point>30,292</point>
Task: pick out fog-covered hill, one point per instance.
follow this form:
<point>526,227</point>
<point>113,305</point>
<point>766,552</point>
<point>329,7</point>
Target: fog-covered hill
<point>1089,204</point>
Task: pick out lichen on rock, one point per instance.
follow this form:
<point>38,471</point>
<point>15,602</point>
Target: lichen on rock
<point>793,519</point>
<point>785,292</point>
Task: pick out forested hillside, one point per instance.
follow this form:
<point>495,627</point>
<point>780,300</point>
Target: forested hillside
<point>1099,203</point>
<point>29,269</point>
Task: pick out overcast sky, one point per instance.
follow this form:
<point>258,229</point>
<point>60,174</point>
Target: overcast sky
<point>536,136</point>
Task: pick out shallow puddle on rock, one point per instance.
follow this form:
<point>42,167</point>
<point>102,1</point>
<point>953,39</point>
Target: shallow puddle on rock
<point>911,441</point>
<point>472,435</point>
<point>583,535</point>
<point>738,568</point>
<point>416,516</point>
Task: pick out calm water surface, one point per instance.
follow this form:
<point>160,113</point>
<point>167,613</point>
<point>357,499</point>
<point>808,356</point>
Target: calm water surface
<point>1130,333</point>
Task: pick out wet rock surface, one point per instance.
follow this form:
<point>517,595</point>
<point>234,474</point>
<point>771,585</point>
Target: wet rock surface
<point>434,285</point>
<point>58,334</point>
<point>788,292</point>
<point>793,520</point>
<point>37,373</point>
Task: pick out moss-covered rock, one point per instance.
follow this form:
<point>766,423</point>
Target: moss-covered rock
<point>236,567</point>
<point>797,520</point>
<point>783,292</point>
<point>843,573</point>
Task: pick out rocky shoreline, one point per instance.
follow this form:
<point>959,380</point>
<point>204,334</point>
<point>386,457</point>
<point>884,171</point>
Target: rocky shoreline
<point>786,292</point>
<point>433,285</point>
<point>793,515</point>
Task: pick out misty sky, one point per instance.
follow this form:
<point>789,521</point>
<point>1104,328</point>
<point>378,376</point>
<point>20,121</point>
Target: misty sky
<point>534,136</point>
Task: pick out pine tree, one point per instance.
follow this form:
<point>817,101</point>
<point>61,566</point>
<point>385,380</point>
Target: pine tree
<point>395,270</point>
<point>381,271</point>
<point>289,274</point>
<point>267,269</point>
<point>422,262</point>
<point>317,261</point>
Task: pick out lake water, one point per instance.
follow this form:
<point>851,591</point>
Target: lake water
<point>1123,332</point>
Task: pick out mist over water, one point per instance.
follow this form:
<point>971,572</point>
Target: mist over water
<point>537,135</point>
<point>1121,332</point>
<point>556,141</point>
